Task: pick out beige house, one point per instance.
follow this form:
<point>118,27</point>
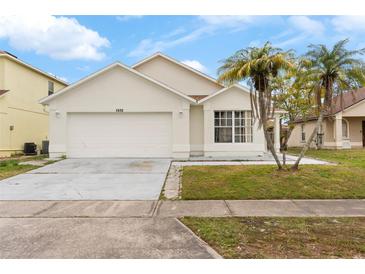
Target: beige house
<point>22,118</point>
<point>157,108</point>
<point>343,126</point>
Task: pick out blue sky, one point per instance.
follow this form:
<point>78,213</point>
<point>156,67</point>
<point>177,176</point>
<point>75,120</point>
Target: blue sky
<point>72,47</point>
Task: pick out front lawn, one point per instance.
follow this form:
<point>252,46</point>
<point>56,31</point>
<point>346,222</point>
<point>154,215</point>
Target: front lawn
<point>343,181</point>
<point>348,157</point>
<point>265,182</point>
<point>262,237</point>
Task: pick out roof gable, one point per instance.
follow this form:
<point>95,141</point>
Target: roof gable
<point>20,62</point>
<point>116,64</point>
<point>242,88</point>
<point>164,56</point>
<point>178,75</point>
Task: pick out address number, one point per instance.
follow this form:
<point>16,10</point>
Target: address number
<point>119,110</point>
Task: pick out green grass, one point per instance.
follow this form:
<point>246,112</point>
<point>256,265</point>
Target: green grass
<point>347,157</point>
<point>343,181</point>
<point>262,237</point>
<point>266,182</point>
<point>11,167</point>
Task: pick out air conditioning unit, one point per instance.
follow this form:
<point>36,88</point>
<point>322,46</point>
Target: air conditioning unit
<point>30,149</point>
<point>346,144</point>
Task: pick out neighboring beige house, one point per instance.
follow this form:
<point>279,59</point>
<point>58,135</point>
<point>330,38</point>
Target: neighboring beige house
<point>157,108</point>
<point>343,126</point>
<point>22,118</point>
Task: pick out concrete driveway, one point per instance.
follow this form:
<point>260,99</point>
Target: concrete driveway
<point>98,238</point>
<point>89,179</point>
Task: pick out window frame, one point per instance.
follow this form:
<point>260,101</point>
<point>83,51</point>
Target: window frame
<point>50,90</point>
<point>344,121</point>
<point>247,130</point>
<point>220,120</point>
<point>302,133</point>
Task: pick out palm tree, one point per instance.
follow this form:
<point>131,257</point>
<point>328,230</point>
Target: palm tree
<point>331,72</point>
<point>259,66</point>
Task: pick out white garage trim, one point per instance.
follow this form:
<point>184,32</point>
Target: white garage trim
<point>107,135</point>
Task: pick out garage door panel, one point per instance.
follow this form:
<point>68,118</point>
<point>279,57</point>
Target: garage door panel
<point>119,135</point>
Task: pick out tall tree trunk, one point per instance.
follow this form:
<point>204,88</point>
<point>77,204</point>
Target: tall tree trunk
<point>307,144</point>
<point>285,145</point>
<point>269,142</point>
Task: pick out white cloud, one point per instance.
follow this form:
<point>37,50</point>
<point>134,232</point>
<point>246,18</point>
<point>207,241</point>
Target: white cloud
<point>58,37</point>
<point>292,40</point>
<point>207,25</point>
<point>300,29</point>
<point>195,64</point>
<point>149,46</point>
<point>255,43</point>
<point>83,68</point>
<point>175,32</point>
<point>125,18</point>
<point>146,47</point>
<point>307,25</point>
<point>349,23</point>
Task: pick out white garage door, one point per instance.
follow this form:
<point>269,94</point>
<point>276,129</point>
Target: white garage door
<point>119,135</point>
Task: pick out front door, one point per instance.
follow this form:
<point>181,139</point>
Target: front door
<point>363,133</point>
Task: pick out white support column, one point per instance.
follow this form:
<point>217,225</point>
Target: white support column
<point>208,128</point>
<point>277,132</point>
<point>181,132</point>
<point>338,130</point>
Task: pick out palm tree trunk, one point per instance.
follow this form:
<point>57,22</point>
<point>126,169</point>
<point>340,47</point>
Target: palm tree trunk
<point>285,145</point>
<point>271,147</point>
<point>269,142</point>
<point>307,144</point>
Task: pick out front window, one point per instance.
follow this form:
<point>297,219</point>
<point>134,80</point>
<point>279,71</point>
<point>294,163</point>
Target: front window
<point>50,88</point>
<point>302,133</point>
<point>223,126</point>
<point>233,127</point>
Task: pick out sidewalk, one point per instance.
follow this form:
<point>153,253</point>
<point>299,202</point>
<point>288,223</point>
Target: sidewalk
<point>175,209</point>
<point>235,161</point>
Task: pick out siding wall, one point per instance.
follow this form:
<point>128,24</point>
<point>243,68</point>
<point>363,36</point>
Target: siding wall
<point>114,89</point>
<point>295,139</point>
<point>232,99</point>
<point>355,132</point>
<point>196,131</point>
<point>20,107</point>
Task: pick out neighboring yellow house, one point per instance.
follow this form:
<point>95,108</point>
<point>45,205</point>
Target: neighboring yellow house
<point>22,118</point>
<point>343,126</point>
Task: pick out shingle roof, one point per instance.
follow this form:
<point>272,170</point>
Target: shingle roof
<point>349,99</point>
